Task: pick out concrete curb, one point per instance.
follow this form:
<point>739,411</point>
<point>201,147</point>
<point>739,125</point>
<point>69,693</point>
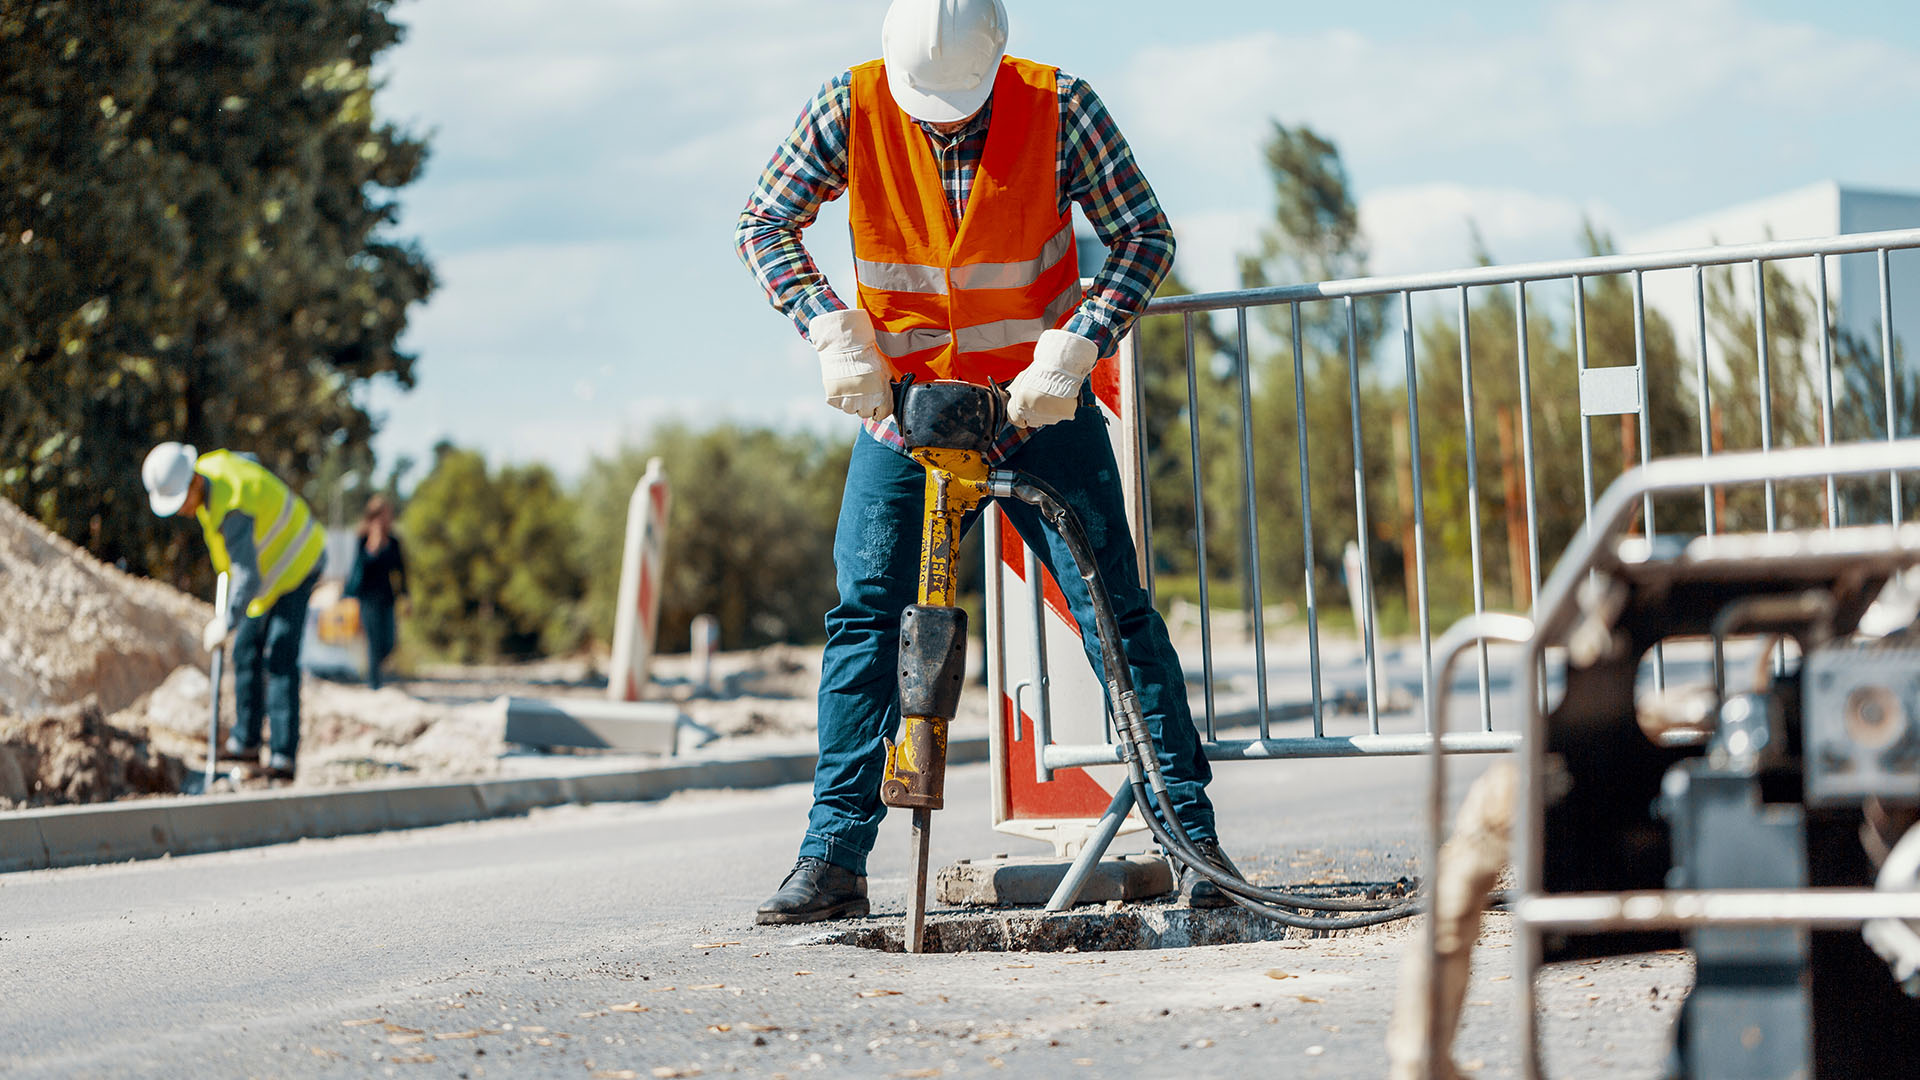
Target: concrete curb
<point>191,825</point>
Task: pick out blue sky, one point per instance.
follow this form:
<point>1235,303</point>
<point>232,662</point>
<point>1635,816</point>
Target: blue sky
<point>589,157</point>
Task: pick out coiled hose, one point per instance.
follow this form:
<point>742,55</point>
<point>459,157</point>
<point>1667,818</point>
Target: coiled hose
<point>1142,758</point>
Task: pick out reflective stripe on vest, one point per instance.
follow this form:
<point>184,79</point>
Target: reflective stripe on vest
<point>908,277</point>
<point>963,299</point>
<point>287,542</point>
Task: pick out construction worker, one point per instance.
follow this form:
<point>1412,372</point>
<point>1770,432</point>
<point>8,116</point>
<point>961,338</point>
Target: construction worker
<point>266,539</point>
<point>961,166</point>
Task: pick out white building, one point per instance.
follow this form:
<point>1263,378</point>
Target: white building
<point>1819,210</point>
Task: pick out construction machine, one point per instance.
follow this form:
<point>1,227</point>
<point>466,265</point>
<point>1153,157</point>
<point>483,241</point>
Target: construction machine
<point>1758,810</point>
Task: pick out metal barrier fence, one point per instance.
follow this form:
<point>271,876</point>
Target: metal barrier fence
<point>1604,389</point>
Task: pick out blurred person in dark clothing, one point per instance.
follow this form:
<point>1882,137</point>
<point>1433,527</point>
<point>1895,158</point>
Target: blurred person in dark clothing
<point>378,581</point>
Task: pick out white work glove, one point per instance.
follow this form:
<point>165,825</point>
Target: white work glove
<point>215,635</point>
<point>851,367</point>
<point>1048,391</point>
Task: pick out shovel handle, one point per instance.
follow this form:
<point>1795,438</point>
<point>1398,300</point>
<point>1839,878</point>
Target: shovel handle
<point>213,681</point>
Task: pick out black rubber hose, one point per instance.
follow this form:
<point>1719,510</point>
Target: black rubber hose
<point>1143,759</point>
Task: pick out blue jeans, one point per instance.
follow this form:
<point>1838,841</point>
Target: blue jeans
<point>266,671</point>
<point>876,556</point>
<point>376,618</point>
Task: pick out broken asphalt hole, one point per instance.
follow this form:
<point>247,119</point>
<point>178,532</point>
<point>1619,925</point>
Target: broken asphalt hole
<point>1147,927</point>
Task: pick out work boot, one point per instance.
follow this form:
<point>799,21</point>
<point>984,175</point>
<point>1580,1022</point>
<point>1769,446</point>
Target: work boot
<point>280,767</point>
<point>1197,891</point>
<point>815,890</point>
<point>233,751</point>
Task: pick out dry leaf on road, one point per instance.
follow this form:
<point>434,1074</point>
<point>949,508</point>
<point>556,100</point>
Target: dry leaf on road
<point>362,1023</point>
<point>878,993</point>
<point>709,986</point>
<point>631,1007</point>
<point>904,1074</point>
<point>716,944</point>
<point>470,1033</point>
<point>1276,973</point>
<point>401,1029</point>
<point>413,1059</point>
<point>668,1072</point>
<point>759,1027</point>
<point>616,1074</point>
<point>323,1052</point>
<point>405,1040</point>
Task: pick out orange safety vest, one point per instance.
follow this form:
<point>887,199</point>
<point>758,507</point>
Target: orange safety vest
<point>962,300</point>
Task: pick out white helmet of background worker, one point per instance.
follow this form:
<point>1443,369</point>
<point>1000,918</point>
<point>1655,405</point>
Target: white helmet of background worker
<point>942,55</point>
<point>168,474</point>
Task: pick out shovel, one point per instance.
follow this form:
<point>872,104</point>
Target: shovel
<point>201,785</point>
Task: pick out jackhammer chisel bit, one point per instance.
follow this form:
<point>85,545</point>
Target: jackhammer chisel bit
<point>947,427</point>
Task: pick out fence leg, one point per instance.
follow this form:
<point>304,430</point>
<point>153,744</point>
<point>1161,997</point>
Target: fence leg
<point>1068,891</point>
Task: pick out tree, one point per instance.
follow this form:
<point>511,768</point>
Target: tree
<point>1315,235</point>
<point>492,560</point>
<point>196,203</point>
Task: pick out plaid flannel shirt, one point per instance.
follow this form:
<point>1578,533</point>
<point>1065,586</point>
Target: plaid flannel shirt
<point>1096,170</point>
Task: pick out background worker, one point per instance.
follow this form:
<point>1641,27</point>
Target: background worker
<point>962,166</point>
<point>266,540</point>
<point>378,581</point>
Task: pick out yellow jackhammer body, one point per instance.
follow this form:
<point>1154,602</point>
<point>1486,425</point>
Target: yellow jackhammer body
<point>947,427</point>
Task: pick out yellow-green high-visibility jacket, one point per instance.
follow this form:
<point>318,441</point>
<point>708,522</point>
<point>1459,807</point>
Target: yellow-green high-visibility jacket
<point>258,529</point>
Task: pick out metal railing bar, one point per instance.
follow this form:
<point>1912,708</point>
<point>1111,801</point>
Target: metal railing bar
<point>1306,524</point>
<point>1646,436</point>
<point>1419,508</point>
<point>1473,498</point>
<point>1706,390</point>
<point>1253,517</point>
<point>1526,440</point>
<point>1199,522</point>
<point>1826,388</point>
<point>1525,361</point>
<point>1817,907</point>
<point>1592,266</point>
<point>1886,376</point>
<point>1764,358</point>
<point>1366,628</point>
<point>1580,366</point>
<point>1409,744</point>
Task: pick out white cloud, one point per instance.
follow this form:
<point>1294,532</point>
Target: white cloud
<point>1429,226</point>
<point>1208,247</point>
<point>1590,63</point>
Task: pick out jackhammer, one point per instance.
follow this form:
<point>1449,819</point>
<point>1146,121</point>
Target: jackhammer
<point>949,427</point>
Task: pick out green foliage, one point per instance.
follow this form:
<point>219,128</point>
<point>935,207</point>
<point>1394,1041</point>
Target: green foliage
<point>195,199</point>
<point>749,536</point>
<point>492,560</point>
<point>1798,387</point>
<point>1314,235</point>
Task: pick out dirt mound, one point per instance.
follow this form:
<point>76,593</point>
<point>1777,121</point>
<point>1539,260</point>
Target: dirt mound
<point>75,756</point>
<point>73,629</point>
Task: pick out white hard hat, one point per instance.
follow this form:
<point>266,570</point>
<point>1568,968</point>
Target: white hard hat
<point>942,55</point>
<point>168,474</point>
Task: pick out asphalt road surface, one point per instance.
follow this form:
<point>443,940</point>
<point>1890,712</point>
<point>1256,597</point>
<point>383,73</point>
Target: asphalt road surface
<point>617,941</point>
